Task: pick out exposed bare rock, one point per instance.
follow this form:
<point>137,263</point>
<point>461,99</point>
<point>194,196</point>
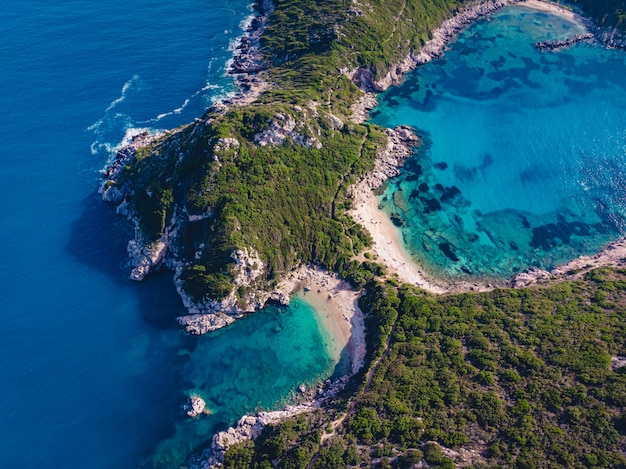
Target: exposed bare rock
<point>360,109</point>
<point>224,144</point>
<point>110,193</point>
<point>617,362</point>
<point>248,428</point>
<point>555,46</point>
<point>195,406</point>
<point>527,278</point>
<point>335,121</point>
<point>613,255</point>
<point>198,324</point>
<point>248,266</point>
<point>282,127</point>
<point>611,38</point>
<point>145,258</point>
<point>400,144</point>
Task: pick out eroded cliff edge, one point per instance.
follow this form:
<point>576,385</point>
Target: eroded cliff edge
<point>261,183</point>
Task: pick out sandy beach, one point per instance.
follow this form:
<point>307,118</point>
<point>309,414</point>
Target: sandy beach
<point>387,243</point>
<point>337,307</point>
<point>553,8</point>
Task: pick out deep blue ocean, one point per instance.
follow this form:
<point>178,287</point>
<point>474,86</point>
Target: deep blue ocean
<point>93,370</point>
<point>524,155</point>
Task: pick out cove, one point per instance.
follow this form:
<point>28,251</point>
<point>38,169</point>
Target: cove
<point>94,368</point>
<point>257,363</point>
<point>522,162</point>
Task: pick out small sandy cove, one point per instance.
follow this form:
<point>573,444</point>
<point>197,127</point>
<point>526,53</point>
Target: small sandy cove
<point>337,307</point>
<point>387,243</point>
<point>551,8</point>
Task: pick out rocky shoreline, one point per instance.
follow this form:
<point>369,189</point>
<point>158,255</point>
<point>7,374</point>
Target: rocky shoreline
<point>613,255</point>
<point>250,427</point>
<point>247,69</point>
<point>433,49</point>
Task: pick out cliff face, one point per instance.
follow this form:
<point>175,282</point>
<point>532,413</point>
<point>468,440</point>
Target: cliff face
<point>261,183</point>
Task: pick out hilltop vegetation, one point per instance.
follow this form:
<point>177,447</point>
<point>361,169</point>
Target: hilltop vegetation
<point>515,378</point>
<point>510,378</point>
<point>272,177</point>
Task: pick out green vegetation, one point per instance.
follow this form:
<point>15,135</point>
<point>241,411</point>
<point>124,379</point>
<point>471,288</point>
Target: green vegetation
<point>522,378</point>
<point>605,13</point>
<point>287,201</point>
<point>516,378</point>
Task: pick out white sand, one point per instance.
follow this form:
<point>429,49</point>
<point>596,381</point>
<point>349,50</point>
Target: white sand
<point>337,306</point>
<point>387,243</point>
<point>552,8</point>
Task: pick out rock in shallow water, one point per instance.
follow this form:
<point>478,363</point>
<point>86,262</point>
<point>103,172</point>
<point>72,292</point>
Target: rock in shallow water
<point>198,324</point>
<point>196,406</point>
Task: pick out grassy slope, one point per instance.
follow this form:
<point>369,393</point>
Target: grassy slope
<point>522,377</point>
<point>288,201</point>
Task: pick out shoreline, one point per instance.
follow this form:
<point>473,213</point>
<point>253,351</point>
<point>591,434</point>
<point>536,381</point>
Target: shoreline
<point>554,8</point>
<point>336,305</point>
<point>387,239</point>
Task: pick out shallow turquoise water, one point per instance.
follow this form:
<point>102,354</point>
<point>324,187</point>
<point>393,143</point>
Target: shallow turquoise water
<point>93,368</point>
<point>523,162</point>
<point>255,364</point>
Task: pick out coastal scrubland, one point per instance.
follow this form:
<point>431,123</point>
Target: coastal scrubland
<point>524,378</point>
<point>508,378</point>
<point>273,176</point>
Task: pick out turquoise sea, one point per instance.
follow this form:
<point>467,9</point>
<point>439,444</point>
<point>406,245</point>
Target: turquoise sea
<point>93,369</point>
<point>524,155</point>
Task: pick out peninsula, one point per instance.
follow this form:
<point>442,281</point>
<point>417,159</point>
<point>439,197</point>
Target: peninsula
<point>279,179</point>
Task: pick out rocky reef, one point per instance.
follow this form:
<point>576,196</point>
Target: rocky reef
<point>555,46</point>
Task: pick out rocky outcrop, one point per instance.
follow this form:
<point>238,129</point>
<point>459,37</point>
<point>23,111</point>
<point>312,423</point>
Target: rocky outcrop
<point>248,58</point>
<point>528,278</point>
<point>282,127</point>
<point>360,109</point>
<point>614,255</point>
<point>195,407</point>
<point>248,295</point>
<point>144,258</point>
<point>198,324</point>
<point>555,46</point>
<point>617,363</point>
<point>249,63</point>
<point>250,426</point>
<point>401,143</point>
<point>610,38</point>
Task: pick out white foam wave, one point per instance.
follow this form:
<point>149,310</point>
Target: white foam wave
<point>110,120</point>
<point>125,88</point>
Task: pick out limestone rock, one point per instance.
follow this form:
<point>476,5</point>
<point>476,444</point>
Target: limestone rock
<point>195,406</point>
<point>224,144</point>
<point>400,144</point>
<point>527,278</point>
<point>198,324</point>
<point>248,265</point>
<point>145,258</point>
<point>284,126</point>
